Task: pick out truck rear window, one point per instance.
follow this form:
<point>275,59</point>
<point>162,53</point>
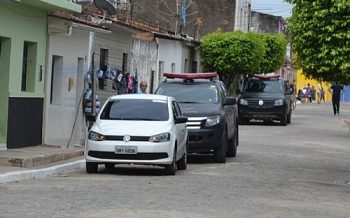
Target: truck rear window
<point>199,93</point>
<point>254,85</point>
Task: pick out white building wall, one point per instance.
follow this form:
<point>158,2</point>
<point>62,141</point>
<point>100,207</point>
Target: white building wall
<point>198,59</point>
<point>186,59</point>
<point>242,18</point>
<point>177,52</point>
<point>63,91</point>
<point>170,51</point>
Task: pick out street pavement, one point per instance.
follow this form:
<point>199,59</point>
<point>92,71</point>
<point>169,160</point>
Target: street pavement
<point>299,170</point>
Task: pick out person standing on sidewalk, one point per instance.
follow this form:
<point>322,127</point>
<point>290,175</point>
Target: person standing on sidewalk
<point>87,105</point>
<point>336,91</point>
<point>143,87</point>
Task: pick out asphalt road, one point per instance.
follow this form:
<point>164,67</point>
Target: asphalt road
<point>301,170</point>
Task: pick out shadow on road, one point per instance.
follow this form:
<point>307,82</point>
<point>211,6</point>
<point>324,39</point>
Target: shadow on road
<point>200,158</point>
<point>134,170</point>
<point>262,123</point>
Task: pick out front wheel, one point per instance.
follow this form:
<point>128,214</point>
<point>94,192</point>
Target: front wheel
<point>289,117</point>
<point>220,152</point>
<point>182,163</point>
<point>171,169</point>
<point>232,145</point>
<point>284,119</point>
<point>91,167</point>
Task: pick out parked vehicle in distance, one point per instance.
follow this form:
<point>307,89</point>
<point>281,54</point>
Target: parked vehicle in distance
<point>265,97</point>
<point>138,129</point>
<point>212,113</point>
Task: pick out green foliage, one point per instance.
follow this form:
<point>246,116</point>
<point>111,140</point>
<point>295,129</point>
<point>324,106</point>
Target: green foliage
<point>275,53</point>
<point>321,38</point>
<point>235,53</point>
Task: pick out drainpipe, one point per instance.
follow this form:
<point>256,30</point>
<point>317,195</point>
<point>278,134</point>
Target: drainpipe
<point>157,63</point>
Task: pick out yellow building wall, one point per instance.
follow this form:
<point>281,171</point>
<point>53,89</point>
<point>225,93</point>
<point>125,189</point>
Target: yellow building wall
<point>302,81</point>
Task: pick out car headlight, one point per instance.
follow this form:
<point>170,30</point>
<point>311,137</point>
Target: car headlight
<point>279,102</point>
<point>96,136</point>
<point>211,121</point>
<point>163,137</point>
<point>243,101</point>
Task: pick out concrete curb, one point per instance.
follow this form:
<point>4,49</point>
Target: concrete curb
<point>41,173</point>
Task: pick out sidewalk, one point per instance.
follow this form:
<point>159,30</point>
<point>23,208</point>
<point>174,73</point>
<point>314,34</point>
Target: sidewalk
<point>38,162</point>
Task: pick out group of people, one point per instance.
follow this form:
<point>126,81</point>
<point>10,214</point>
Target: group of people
<point>309,93</point>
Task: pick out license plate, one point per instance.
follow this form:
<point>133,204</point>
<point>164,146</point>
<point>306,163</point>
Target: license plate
<point>125,149</point>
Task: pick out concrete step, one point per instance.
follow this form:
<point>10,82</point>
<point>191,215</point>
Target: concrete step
<point>37,155</point>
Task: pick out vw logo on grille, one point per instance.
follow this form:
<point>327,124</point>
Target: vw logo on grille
<point>126,138</point>
<point>261,102</point>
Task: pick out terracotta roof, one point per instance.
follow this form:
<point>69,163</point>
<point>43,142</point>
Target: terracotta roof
<point>74,18</point>
<point>85,18</point>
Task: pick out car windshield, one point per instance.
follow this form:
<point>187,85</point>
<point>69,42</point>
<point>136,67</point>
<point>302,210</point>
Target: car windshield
<point>196,93</point>
<point>263,86</point>
<point>136,109</point>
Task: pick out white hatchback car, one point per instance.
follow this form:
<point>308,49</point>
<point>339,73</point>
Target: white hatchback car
<point>138,129</point>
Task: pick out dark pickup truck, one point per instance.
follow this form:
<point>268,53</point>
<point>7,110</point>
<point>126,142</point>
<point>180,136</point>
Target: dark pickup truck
<point>212,114</point>
<point>265,98</point>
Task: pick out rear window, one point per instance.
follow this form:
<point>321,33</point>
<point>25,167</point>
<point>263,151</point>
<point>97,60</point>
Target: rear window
<point>196,93</point>
<point>256,85</point>
<point>136,109</point>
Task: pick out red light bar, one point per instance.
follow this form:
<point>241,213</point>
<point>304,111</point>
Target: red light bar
<point>209,75</point>
<point>267,76</point>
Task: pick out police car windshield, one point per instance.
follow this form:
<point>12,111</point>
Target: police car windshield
<point>255,85</point>
<point>135,109</point>
<point>194,93</point>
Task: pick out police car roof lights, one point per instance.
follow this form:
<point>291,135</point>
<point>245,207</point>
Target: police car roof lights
<point>209,75</point>
<point>267,76</point>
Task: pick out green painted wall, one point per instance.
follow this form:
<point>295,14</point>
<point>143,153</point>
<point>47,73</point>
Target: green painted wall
<point>20,23</point>
<point>66,5</point>
<point>5,54</point>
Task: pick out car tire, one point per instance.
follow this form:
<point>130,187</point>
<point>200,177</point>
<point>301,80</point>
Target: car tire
<point>171,169</point>
<point>91,167</point>
<point>220,152</point>
<point>284,119</point>
<point>109,166</point>
<point>182,163</point>
<point>232,145</point>
<point>237,138</point>
<point>289,117</point>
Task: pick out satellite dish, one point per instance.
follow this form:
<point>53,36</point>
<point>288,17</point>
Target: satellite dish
<point>107,5</point>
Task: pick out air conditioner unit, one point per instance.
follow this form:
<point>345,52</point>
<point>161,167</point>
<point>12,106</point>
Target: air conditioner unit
<point>107,5</point>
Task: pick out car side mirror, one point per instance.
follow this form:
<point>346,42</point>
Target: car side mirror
<point>180,119</point>
<point>238,92</point>
<point>230,101</point>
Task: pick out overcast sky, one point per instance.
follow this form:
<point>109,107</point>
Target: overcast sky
<point>273,7</point>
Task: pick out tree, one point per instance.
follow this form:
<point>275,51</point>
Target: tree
<point>275,53</point>
<point>231,54</point>
<point>236,53</point>
<point>321,38</point>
